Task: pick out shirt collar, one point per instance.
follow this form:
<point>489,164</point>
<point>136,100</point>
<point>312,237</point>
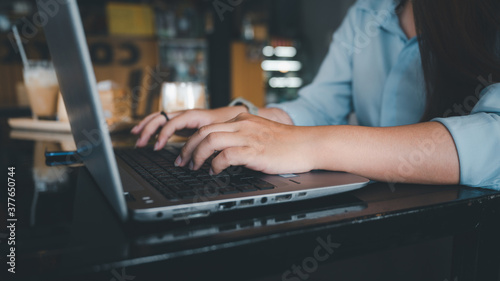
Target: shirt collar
<point>386,11</point>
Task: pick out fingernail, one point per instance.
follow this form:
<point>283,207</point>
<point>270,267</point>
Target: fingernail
<point>137,142</point>
<point>157,146</point>
<point>211,172</point>
<point>191,165</point>
<point>133,129</point>
<point>178,161</point>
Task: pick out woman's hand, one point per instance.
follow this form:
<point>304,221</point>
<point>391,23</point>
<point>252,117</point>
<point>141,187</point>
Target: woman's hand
<point>181,122</point>
<point>251,141</point>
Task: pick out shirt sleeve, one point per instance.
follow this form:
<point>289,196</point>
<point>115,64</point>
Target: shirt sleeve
<point>477,139</point>
<point>328,99</point>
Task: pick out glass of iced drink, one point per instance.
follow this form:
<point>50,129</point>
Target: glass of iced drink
<point>42,87</point>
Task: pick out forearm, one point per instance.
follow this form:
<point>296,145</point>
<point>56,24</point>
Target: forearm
<point>420,153</point>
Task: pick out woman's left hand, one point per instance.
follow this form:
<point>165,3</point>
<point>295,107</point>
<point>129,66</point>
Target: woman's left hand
<point>251,141</point>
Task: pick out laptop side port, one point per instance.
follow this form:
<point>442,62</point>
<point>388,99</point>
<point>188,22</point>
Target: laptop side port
<point>282,218</point>
<point>227,227</point>
<point>129,197</point>
<point>247,224</point>
<point>227,205</point>
<point>247,202</point>
<point>302,194</point>
<point>285,197</point>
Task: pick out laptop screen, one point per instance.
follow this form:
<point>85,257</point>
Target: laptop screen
<point>71,59</point>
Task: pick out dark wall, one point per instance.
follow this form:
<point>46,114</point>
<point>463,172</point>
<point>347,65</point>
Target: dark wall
<point>319,19</point>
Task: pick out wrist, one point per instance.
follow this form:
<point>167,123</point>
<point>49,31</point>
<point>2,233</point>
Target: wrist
<point>251,108</point>
<point>275,114</point>
<point>309,141</point>
<point>237,109</point>
<point>223,114</point>
<point>325,148</point>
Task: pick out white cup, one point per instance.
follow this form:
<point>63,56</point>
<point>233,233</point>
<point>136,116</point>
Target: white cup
<point>177,96</point>
<point>42,87</point>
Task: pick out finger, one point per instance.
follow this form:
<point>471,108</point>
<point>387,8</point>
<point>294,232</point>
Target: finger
<point>150,129</point>
<point>232,156</point>
<point>197,137</point>
<point>189,120</point>
<point>216,141</point>
<point>138,128</point>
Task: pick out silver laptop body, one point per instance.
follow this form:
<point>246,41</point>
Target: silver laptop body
<point>130,195</point>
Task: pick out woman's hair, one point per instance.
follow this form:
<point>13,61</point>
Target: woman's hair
<point>460,49</point>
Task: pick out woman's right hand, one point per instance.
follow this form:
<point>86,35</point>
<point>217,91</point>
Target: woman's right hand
<point>180,122</point>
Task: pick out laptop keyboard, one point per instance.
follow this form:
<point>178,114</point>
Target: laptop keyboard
<point>175,183</point>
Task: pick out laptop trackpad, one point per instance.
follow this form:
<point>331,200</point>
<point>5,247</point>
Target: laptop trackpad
<point>128,182</point>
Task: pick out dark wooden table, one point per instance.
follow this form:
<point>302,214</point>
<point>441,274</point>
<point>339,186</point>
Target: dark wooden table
<point>65,230</point>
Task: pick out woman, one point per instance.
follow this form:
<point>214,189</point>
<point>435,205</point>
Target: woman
<point>422,77</point>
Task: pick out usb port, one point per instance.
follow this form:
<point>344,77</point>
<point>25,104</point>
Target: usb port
<point>246,224</point>
<point>282,218</point>
<point>285,197</point>
<point>227,227</point>
<point>247,202</point>
<point>227,205</point>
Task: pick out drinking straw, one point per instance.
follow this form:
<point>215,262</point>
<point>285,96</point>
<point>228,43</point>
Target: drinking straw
<point>20,47</point>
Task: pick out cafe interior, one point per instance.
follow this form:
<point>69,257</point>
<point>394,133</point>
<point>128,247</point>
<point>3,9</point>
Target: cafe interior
<point>154,55</point>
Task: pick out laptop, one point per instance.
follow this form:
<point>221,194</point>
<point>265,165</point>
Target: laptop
<point>143,185</point>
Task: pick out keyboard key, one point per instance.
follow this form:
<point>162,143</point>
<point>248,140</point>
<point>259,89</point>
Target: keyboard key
<point>169,195</point>
<point>178,187</point>
<point>229,190</point>
<point>167,177</point>
<point>169,182</point>
<point>186,194</point>
<point>196,185</point>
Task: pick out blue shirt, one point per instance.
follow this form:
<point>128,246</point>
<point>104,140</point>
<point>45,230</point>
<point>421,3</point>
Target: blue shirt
<point>374,70</point>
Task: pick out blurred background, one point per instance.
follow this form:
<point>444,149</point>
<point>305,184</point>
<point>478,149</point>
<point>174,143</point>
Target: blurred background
<point>262,50</point>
